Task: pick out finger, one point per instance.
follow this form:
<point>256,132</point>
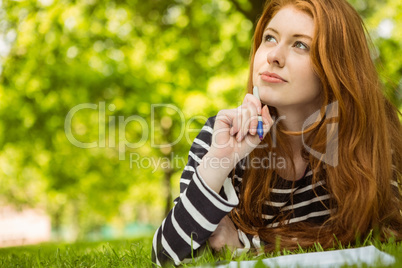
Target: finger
<point>216,243</point>
<point>266,119</point>
<point>224,118</point>
<point>266,116</point>
<point>236,123</point>
<point>253,123</point>
<point>223,122</point>
<point>267,124</point>
<point>249,120</point>
<point>217,240</point>
<point>250,98</point>
<point>245,115</point>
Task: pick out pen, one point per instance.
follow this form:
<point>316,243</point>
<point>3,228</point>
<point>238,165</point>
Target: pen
<point>260,130</point>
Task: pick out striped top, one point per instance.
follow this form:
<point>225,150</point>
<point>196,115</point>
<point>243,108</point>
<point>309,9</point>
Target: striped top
<point>198,210</point>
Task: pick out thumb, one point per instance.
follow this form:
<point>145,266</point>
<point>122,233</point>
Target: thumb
<point>266,119</point>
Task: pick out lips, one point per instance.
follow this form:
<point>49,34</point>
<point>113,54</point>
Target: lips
<point>272,77</point>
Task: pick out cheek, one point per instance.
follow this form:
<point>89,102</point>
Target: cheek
<point>314,85</point>
<point>314,82</point>
<point>258,58</point>
<point>309,77</point>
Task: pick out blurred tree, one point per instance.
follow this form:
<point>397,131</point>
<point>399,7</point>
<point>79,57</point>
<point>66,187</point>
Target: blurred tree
<point>250,9</point>
<point>111,61</point>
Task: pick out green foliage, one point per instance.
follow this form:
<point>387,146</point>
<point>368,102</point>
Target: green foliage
<point>385,25</point>
<point>124,56</point>
<point>121,57</point>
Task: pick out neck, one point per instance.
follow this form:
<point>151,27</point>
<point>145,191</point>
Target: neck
<point>295,120</point>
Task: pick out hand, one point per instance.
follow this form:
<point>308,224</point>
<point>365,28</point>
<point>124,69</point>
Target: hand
<point>235,130</point>
<point>234,137</point>
<point>225,235</point>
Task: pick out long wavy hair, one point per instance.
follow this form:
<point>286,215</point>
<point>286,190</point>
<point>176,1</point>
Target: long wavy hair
<point>368,136</point>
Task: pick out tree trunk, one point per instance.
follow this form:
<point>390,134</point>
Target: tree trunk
<point>56,222</point>
<point>168,186</point>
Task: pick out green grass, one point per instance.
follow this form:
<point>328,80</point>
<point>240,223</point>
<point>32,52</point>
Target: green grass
<point>130,253</point>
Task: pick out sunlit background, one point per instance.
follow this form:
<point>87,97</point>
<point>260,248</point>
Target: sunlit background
<point>100,100</point>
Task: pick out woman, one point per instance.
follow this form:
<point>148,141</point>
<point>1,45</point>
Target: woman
<point>328,169</point>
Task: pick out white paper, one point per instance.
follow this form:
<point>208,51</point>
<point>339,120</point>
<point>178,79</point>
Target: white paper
<point>369,255</point>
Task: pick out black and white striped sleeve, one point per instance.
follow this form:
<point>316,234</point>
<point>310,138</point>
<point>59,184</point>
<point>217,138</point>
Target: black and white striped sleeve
<point>197,211</point>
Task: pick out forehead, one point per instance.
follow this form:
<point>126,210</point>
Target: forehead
<point>293,21</point>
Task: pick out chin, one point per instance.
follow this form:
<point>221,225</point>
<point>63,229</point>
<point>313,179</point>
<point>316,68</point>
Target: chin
<point>271,103</point>
<point>267,98</point>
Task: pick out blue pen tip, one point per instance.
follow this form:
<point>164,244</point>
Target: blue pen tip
<point>260,130</point>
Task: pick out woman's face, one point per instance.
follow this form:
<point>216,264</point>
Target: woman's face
<point>282,66</point>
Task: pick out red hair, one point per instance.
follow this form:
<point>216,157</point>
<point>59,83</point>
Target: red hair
<point>369,138</point>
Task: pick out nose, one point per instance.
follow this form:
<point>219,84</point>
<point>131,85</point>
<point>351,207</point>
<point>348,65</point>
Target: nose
<point>276,56</point>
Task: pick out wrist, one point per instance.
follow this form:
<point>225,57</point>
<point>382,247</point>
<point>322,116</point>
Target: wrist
<point>214,170</point>
<point>220,164</point>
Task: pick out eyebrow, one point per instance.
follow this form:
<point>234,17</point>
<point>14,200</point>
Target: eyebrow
<point>295,35</point>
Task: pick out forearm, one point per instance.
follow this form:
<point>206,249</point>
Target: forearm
<point>192,220</point>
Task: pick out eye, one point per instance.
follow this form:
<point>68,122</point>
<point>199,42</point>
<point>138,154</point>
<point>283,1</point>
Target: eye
<point>301,45</point>
<point>269,38</point>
